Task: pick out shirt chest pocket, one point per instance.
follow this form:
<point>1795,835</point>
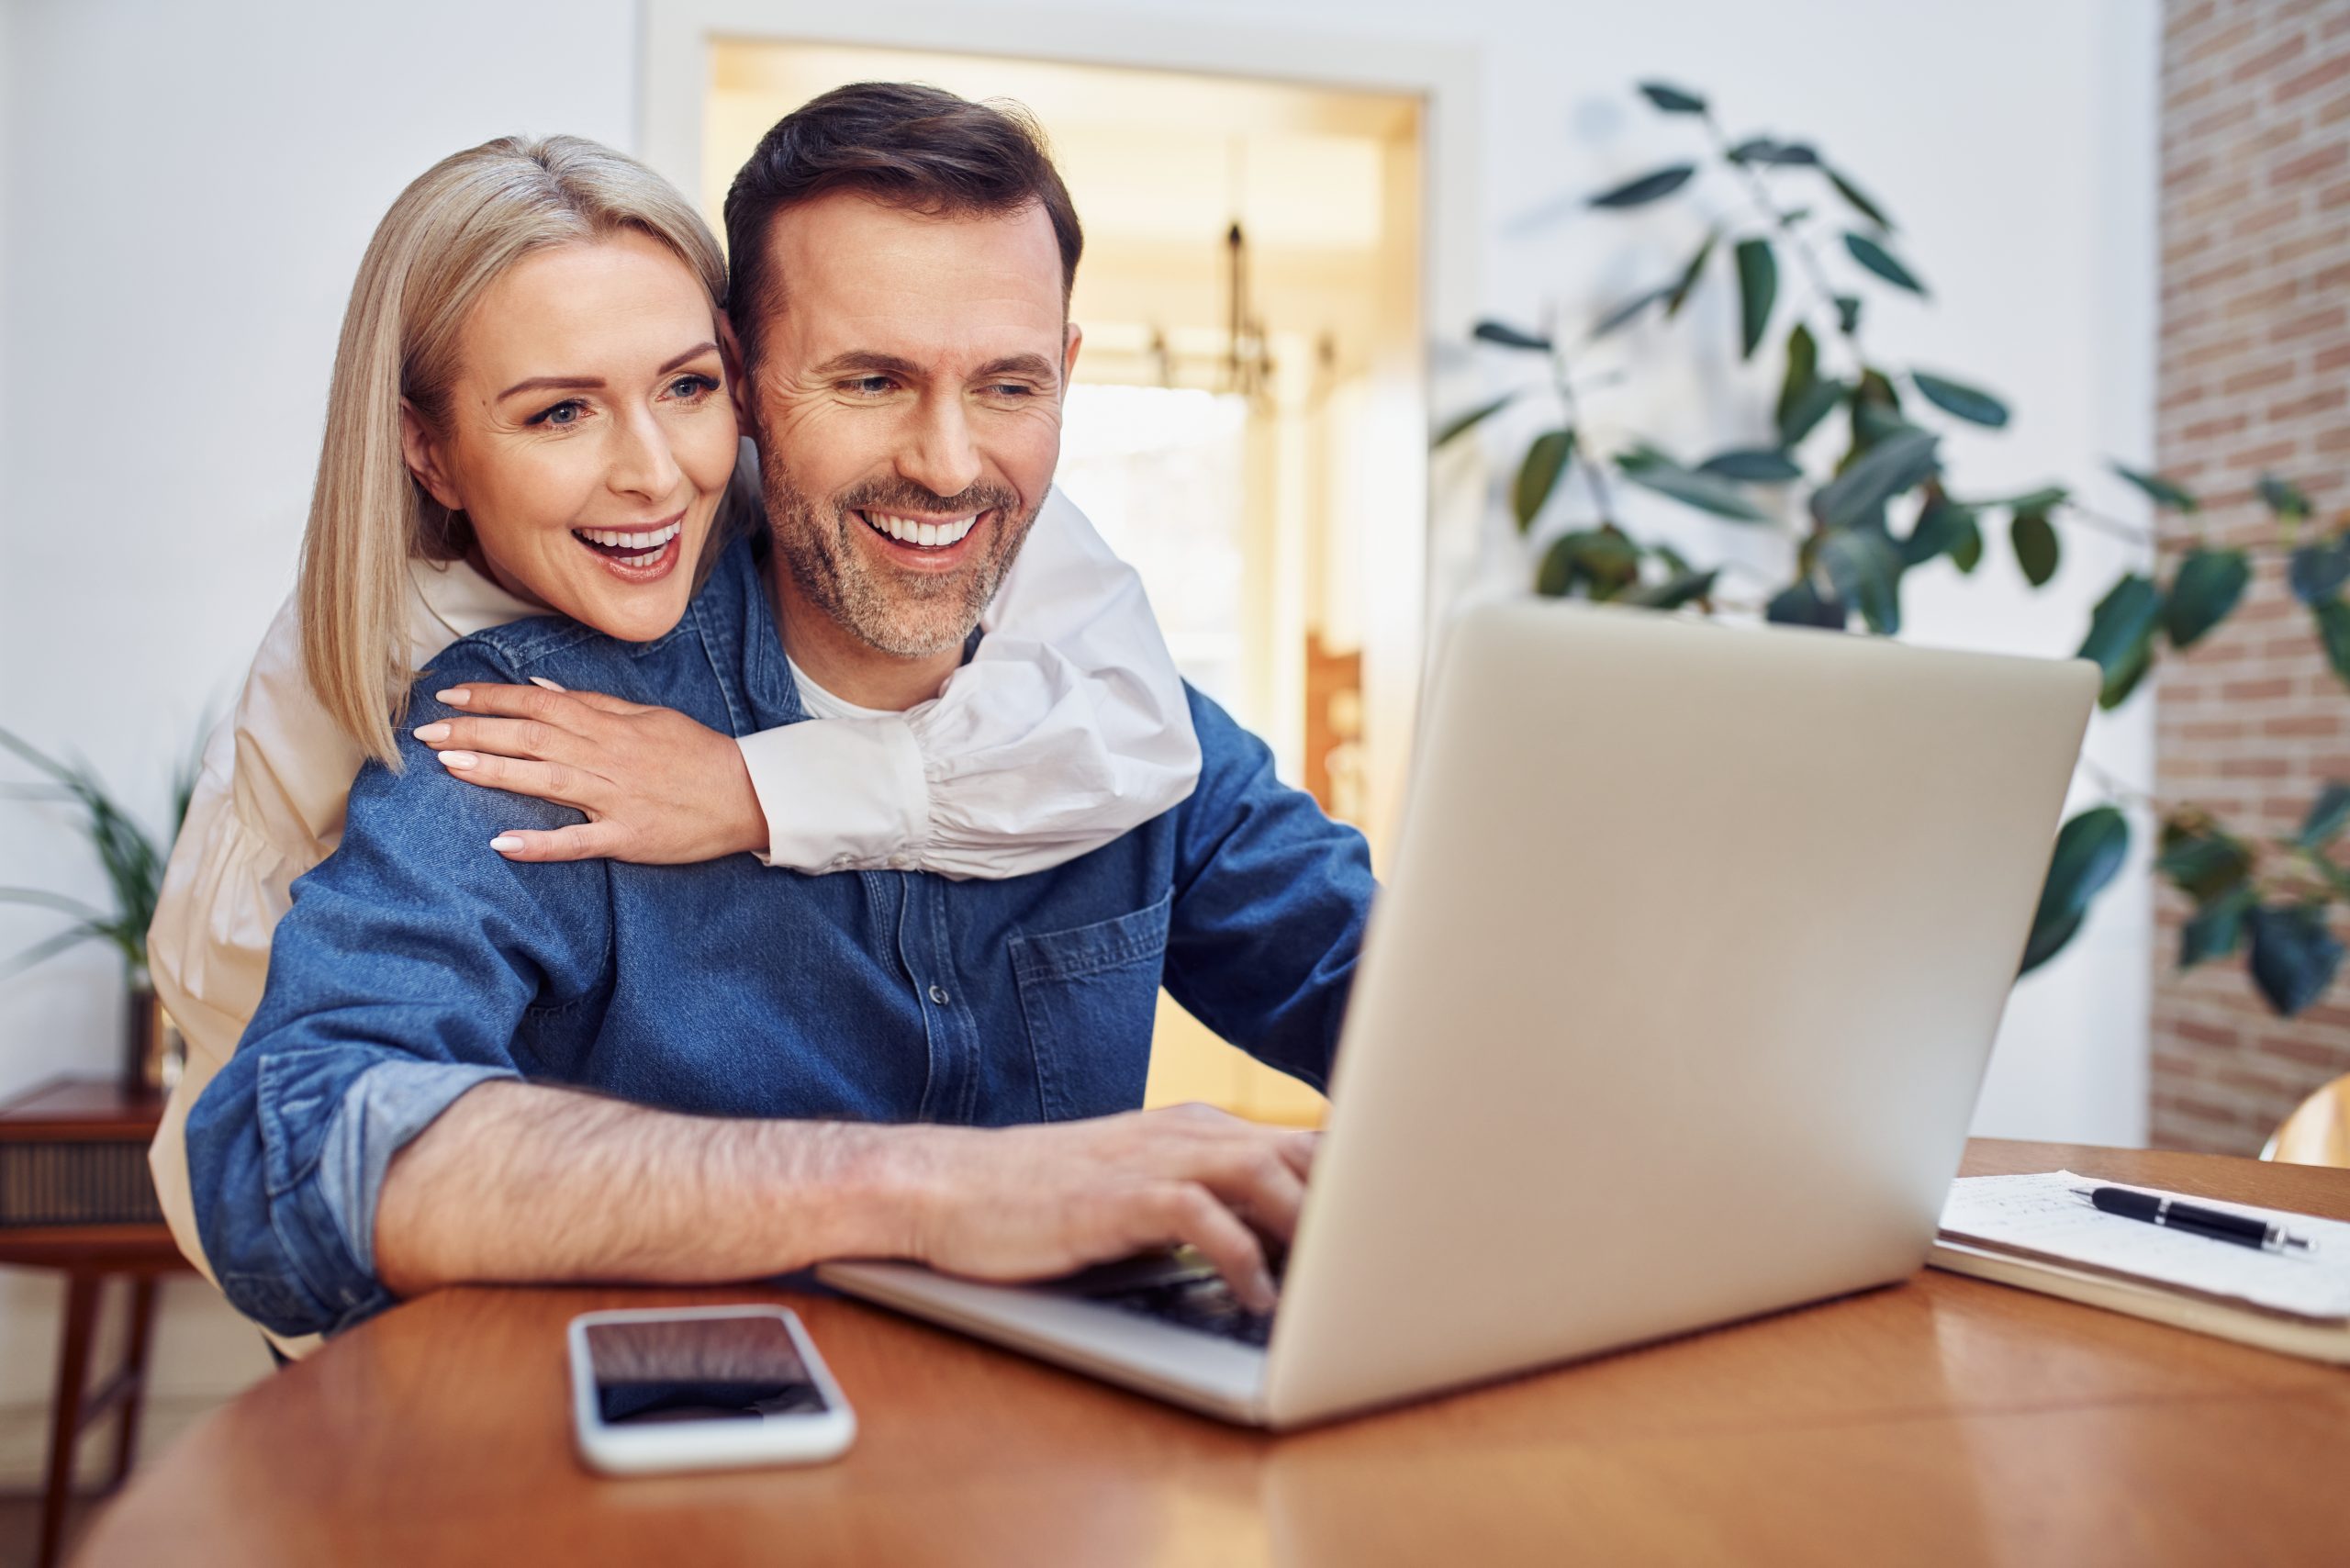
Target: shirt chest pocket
<point>1089,996</point>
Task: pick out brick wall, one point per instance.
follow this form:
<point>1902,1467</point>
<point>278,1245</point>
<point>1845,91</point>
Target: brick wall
<point>2255,377</point>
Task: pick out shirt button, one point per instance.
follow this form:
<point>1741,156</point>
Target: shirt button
<point>938,995</point>
<point>900,861</point>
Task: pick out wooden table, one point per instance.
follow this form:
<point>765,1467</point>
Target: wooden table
<point>1944,1421</point>
<point>102,1130</point>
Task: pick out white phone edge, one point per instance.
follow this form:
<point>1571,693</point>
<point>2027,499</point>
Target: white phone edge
<point>705,1445</point>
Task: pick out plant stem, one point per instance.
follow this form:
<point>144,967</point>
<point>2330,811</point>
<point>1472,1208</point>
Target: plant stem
<point>1563,376</point>
<point>1824,292</point>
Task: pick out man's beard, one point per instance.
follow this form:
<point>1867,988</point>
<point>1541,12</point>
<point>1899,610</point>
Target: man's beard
<point>909,615</point>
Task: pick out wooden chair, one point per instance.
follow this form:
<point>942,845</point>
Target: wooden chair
<point>2318,1132</point>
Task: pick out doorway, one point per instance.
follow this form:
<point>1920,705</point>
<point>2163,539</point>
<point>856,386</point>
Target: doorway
<point>1247,419</point>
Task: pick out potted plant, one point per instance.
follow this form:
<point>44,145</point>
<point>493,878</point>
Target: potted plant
<point>134,860</point>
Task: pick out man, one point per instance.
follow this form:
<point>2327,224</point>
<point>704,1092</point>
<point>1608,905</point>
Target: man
<point>466,1070</point>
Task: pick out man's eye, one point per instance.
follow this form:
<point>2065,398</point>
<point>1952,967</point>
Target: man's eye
<point>870,386</point>
<point>1011,389</point>
<point>566,412</point>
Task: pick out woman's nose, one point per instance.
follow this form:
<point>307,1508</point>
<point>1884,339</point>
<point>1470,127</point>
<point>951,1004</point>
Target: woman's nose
<point>644,463</point>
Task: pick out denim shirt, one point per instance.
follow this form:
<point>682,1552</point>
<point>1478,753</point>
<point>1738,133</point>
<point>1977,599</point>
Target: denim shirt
<point>416,963</point>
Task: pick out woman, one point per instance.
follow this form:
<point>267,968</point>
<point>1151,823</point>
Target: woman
<point>444,506</point>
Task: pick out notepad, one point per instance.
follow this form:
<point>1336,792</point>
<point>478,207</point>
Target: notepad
<point>2037,1232</point>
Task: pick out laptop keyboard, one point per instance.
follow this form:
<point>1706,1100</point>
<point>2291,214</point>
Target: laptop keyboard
<point>1177,1287</point>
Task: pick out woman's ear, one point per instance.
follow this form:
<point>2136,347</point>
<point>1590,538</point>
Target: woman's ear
<point>425,458</point>
<point>738,385</point>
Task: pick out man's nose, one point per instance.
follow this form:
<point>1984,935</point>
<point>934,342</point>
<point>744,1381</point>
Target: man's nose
<point>938,453</point>
<point>644,462</point>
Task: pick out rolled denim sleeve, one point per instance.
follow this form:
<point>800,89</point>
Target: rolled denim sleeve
<point>399,981</point>
<point>1272,900</point>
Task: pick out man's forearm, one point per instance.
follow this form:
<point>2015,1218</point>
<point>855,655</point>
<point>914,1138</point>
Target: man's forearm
<point>520,1183</point>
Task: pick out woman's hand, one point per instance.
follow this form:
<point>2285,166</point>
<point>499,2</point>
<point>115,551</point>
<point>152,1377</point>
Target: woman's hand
<point>658,788</point>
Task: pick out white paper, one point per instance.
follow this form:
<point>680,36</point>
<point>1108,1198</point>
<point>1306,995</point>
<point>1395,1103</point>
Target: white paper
<point>2044,1213</point>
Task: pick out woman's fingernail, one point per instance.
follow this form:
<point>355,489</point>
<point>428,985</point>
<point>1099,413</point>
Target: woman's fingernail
<point>460,760</point>
<point>433,731</point>
<point>542,680</point>
<point>505,844</point>
<point>1267,1291</point>
<point>455,697</point>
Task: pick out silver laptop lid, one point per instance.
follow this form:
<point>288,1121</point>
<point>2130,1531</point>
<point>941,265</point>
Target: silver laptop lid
<point>1676,1004</point>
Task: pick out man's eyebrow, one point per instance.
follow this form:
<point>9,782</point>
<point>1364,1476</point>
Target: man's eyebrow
<point>866,362</point>
<point>1034,365</point>
<point>596,383</point>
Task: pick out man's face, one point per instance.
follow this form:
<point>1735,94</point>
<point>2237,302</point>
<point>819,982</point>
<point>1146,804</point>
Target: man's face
<point>907,402</point>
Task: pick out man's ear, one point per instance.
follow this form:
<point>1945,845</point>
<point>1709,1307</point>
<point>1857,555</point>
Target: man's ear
<point>738,383</point>
<point>1072,337</point>
<point>425,458</point>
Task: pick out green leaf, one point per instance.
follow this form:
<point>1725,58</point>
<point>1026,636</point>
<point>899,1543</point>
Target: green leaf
<point>2334,631</point>
<point>1461,424</point>
<point>2164,492</point>
<point>1848,313</point>
<point>2202,864</point>
<point>1756,465</point>
<point>1507,336</point>
<point>1690,274</point>
<point>1539,475</point>
<point>1878,260</point>
<point>1647,189</point>
<point>2205,588</point>
<point>1764,150</point>
<point>1600,560</point>
<point>1656,472</point>
<point>2048,497</point>
<point>2122,631</point>
<point>2283,498</point>
<point>1758,291</point>
<point>1967,554</point>
<point>2089,850</point>
<point>1866,572</point>
<point>1940,529</point>
<point>2318,571</point>
<point>2035,545</point>
<point>2327,815</point>
<point>1968,403</point>
<point>1677,591</point>
<point>1816,401</point>
<point>2216,930</point>
<point>1802,371</point>
<point>1860,202</point>
<point>39,899</point>
<point>2294,957</point>
<point>1800,604</point>
<point>1893,465</point>
<point>1672,100</point>
<point>1627,312</point>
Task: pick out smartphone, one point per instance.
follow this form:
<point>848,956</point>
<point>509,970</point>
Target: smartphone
<point>702,1388</point>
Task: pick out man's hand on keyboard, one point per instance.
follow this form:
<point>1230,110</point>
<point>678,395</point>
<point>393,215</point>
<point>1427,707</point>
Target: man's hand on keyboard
<point>1031,1202</point>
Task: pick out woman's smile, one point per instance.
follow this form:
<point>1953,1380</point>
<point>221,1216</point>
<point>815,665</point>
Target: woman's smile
<point>645,554</point>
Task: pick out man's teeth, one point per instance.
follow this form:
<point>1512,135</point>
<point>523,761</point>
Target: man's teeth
<point>910,530</point>
<point>642,549</point>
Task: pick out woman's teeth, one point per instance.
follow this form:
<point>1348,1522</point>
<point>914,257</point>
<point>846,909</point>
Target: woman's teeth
<point>633,549</point>
<point>931,535</point>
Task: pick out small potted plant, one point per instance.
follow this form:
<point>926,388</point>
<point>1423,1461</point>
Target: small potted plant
<point>134,860</point>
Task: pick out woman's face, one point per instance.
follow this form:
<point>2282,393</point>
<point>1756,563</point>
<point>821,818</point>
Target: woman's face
<point>589,434</point>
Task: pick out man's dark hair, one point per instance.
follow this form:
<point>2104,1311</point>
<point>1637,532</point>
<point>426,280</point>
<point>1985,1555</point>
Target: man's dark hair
<point>899,142</point>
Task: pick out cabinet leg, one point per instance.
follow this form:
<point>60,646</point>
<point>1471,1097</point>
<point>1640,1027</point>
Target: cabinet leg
<point>134,1366</point>
<point>65,1416</point>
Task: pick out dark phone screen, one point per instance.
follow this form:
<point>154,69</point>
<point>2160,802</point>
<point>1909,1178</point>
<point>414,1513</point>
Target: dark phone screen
<point>698,1368</point>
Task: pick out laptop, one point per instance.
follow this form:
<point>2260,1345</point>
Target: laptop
<point>1673,1012</point>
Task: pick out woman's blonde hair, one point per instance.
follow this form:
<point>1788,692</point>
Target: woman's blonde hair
<point>454,232</point>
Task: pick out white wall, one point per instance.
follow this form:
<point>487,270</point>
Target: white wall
<point>185,190</point>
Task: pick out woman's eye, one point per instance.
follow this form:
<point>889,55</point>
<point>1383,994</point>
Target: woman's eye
<point>566,412</point>
<point>691,386</point>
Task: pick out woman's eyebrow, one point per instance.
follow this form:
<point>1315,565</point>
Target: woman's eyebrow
<point>596,383</point>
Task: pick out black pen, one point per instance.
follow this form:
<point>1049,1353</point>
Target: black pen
<point>2218,1224</point>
